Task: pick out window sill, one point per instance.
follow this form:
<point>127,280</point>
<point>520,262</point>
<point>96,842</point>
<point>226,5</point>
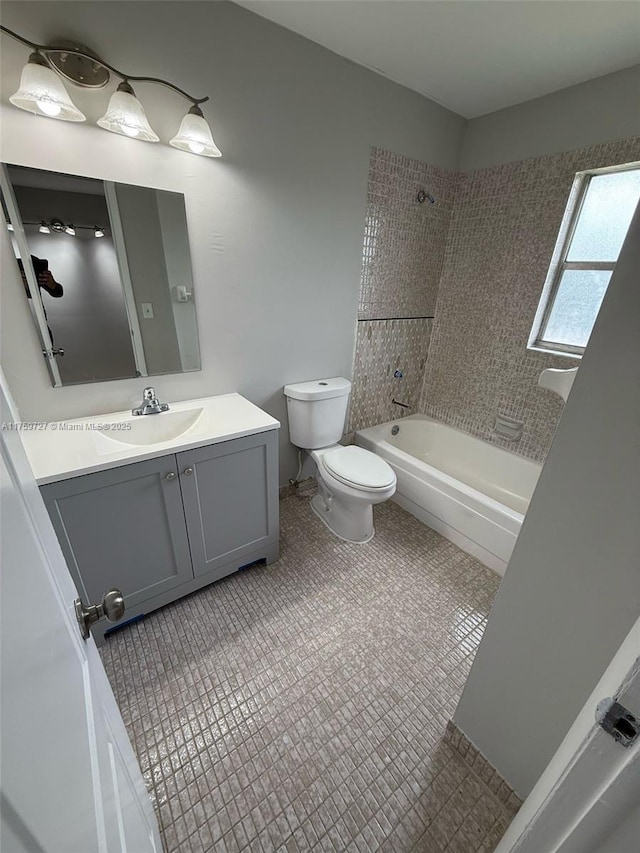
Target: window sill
<point>549,351</point>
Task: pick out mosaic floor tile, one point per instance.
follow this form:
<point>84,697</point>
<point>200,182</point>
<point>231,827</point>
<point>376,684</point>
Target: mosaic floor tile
<point>303,705</point>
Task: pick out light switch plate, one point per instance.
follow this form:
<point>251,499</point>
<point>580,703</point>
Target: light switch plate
<point>147,310</point>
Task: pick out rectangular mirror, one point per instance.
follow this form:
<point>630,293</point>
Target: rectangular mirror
<point>106,268</point>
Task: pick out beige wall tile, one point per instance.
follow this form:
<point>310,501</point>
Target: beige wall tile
<point>503,231</point>
<point>382,347</point>
<point>477,259</point>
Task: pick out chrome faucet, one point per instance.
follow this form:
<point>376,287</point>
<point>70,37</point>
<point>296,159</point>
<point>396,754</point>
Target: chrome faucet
<point>150,404</point>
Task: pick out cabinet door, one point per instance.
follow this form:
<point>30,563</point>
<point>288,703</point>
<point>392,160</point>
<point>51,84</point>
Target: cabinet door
<point>230,494</point>
<point>123,528</point>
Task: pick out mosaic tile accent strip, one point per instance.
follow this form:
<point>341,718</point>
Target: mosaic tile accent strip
<point>503,231</point>
<point>382,347</point>
<point>483,768</point>
<point>303,705</point>
<point>404,242</point>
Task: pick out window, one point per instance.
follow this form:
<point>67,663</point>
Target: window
<point>594,227</point>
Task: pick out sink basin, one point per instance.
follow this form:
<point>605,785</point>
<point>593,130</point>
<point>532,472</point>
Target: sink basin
<point>152,429</point>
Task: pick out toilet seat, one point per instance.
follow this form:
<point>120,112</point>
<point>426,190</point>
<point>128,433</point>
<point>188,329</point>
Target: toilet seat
<point>358,468</point>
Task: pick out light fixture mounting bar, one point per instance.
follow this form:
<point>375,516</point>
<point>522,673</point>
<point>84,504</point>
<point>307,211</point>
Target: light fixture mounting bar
<point>50,222</point>
<point>46,49</point>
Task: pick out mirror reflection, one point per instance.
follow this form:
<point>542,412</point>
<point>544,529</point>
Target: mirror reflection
<point>107,271</point>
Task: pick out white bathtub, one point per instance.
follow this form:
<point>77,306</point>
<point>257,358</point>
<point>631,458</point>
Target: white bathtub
<point>473,493</point>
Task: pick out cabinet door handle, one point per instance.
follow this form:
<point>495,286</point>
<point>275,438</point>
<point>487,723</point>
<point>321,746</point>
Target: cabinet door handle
<point>188,471</point>
<point>170,476</point>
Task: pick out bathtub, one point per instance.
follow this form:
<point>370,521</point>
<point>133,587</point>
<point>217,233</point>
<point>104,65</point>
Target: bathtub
<point>473,493</point>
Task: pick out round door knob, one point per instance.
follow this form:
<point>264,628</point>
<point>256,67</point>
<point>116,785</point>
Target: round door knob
<point>188,471</point>
<point>170,476</point>
<point>113,605</point>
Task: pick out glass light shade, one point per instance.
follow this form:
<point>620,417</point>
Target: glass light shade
<point>70,230</point>
<point>125,115</point>
<point>44,228</point>
<point>98,232</point>
<point>195,135</point>
<point>42,92</point>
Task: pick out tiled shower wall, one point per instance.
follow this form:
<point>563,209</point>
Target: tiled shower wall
<point>382,347</point>
<point>503,231</point>
<point>477,259</point>
<point>403,257</point>
<point>404,241</point>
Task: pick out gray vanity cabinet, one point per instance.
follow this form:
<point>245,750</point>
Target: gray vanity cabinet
<point>123,528</point>
<point>163,528</point>
<point>230,501</point>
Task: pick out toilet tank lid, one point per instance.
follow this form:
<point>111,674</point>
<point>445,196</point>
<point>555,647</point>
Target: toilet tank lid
<point>318,389</point>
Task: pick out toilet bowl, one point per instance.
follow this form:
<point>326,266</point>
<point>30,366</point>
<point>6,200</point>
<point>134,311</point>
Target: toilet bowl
<point>350,481</point>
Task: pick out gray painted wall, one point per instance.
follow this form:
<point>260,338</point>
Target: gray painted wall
<point>275,227</point>
<point>571,592</point>
<point>599,110</point>
<point>144,247</point>
<point>175,241</point>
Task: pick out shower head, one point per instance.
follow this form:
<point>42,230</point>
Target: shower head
<point>425,196</point>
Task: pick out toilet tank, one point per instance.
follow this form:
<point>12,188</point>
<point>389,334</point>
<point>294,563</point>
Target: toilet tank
<point>317,411</point>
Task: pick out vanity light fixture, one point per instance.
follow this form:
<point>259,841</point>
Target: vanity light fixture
<point>57,226</point>
<point>125,114</point>
<point>195,136</point>
<point>42,92</point>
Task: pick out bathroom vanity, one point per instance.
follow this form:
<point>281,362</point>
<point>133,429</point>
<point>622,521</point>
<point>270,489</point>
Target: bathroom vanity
<point>161,518</point>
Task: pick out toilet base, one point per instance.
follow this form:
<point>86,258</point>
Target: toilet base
<point>351,522</point>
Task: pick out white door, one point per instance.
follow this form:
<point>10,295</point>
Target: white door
<point>21,243</point>
<point>69,781</point>
<point>588,798</point>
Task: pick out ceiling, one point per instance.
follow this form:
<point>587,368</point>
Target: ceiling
<point>471,56</point>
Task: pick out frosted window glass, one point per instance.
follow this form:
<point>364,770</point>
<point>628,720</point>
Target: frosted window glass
<point>576,306</point>
<point>605,216</point>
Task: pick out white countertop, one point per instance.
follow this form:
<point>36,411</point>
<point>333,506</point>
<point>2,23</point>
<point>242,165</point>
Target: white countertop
<point>64,449</point>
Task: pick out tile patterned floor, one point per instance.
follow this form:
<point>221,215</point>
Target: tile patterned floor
<point>302,705</point>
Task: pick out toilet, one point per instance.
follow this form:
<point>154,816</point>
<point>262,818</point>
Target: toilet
<point>350,479</point>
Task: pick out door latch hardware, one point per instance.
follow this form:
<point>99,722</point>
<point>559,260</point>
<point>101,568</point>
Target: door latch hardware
<point>618,722</point>
<point>111,608</point>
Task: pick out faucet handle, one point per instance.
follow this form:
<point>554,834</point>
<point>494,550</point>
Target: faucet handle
<point>149,393</point>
